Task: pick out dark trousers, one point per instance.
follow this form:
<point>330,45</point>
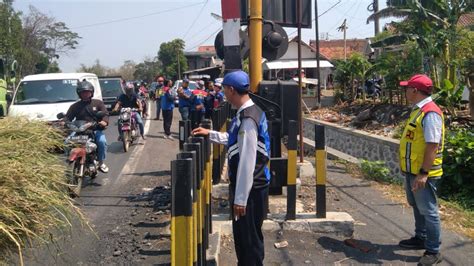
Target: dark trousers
<point>167,121</point>
<point>158,108</point>
<point>209,113</point>
<point>248,236</point>
<point>196,118</point>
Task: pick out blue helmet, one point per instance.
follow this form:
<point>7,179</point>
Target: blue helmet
<point>239,80</point>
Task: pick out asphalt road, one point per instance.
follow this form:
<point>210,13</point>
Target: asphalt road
<point>129,226</point>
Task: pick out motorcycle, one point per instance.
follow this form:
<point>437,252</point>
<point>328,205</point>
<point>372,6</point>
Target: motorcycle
<point>129,131</point>
<point>143,97</point>
<point>372,89</point>
<point>81,153</point>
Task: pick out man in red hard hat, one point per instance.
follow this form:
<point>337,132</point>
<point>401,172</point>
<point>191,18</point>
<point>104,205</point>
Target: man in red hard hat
<point>421,158</point>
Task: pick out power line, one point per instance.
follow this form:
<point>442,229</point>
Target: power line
<point>136,17</point>
<point>210,36</point>
<point>194,21</point>
<point>327,10</point>
<point>201,30</point>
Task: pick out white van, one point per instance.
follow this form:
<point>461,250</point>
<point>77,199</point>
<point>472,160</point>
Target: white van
<point>43,96</point>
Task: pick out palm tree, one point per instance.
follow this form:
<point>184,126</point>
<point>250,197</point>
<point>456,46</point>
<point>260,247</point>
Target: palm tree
<point>432,24</point>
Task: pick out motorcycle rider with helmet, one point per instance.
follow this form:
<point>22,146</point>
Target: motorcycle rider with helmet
<point>130,100</point>
<point>85,109</point>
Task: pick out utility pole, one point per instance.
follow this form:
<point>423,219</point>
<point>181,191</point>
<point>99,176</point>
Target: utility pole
<point>300,82</point>
<point>255,34</point>
<point>343,28</point>
<point>318,70</point>
<point>376,20</point>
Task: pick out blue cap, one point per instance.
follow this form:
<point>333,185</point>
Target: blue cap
<point>239,80</point>
<point>186,80</point>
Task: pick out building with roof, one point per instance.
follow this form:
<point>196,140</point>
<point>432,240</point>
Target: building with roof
<point>203,63</point>
<point>286,67</point>
<point>204,57</point>
<point>334,49</point>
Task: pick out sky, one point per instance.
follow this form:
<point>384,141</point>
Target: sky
<point>114,31</point>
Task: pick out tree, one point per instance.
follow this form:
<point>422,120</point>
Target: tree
<point>433,26</point>
<point>97,68</point>
<point>10,33</point>
<point>43,36</point>
<point>147,70</point>
<point>170,54</point>
<point>352,73</point>
<point>127,70</point>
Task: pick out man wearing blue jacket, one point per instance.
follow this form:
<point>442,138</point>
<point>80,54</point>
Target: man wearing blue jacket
<point>248,145</point>
<point>186,99</point>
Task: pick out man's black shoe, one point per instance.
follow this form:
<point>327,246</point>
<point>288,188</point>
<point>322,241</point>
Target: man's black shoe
<point>430,259</point>
<point>413,243</point>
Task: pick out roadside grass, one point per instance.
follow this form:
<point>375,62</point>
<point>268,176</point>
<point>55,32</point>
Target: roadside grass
<point>454,215</point>
<point>34,201</point>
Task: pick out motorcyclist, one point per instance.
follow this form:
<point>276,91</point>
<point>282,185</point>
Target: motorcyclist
<point>143,97</point>
<point>130,100</point>
<point>85,110</point>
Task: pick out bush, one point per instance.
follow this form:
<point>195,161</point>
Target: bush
<point>458,166</point>
<point>33,189</point>
<point>376,170</point>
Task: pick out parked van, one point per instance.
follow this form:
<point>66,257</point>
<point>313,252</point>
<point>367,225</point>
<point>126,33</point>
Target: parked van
<point>43,96</point>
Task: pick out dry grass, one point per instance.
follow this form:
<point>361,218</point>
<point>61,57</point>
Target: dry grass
<point>454,217</point>
<point>33,194</point>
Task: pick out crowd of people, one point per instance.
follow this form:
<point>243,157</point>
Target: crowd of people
<point>193,105</point>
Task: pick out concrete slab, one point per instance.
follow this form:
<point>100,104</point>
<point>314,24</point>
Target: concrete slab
<point>277,204</point>
<point>305,169</point>
<point>339,223</point>
<point>212,253</point>
<point>220,191</point>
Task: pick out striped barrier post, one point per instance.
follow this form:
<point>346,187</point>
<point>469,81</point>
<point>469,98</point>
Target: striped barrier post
<point>320,171</point>
<point>206,123</point>
<point>204,227</point>
<point>196,147</point>
<point>291,176</point>
<point>184,132</point>
<point>216,170</point>
<point>181,212</point>
<point>192,155</point>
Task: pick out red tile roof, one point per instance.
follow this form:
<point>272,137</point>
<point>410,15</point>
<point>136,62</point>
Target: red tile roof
<point>466,20</point>
<point>334,49</point>
<point>206,48</point>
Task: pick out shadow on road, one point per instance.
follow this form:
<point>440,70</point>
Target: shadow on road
<point>154,173</point>
<point>366,252</point>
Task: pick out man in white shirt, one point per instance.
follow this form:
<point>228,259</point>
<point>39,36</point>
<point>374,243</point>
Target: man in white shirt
<point>248,145</point>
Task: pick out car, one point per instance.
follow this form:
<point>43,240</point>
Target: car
<point>111,89</point>
<point>177,84</point>
<point>43,96</point>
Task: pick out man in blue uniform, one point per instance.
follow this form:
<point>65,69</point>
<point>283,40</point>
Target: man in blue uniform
<point>248,145</point>
<point>186,99</point>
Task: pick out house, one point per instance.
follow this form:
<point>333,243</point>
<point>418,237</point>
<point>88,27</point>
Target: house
<point>204,57</point>
<point>334,49</point>
<point>467,20</point>
<point>286,67</point>
<point>203,62</point>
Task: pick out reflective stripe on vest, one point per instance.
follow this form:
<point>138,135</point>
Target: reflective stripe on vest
<point>412,143</point>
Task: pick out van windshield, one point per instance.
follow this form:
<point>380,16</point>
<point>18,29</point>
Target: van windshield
<point>111,87</point>
<point>46,91</point>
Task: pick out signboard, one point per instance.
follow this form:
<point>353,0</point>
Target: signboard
<point>282,12</point>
